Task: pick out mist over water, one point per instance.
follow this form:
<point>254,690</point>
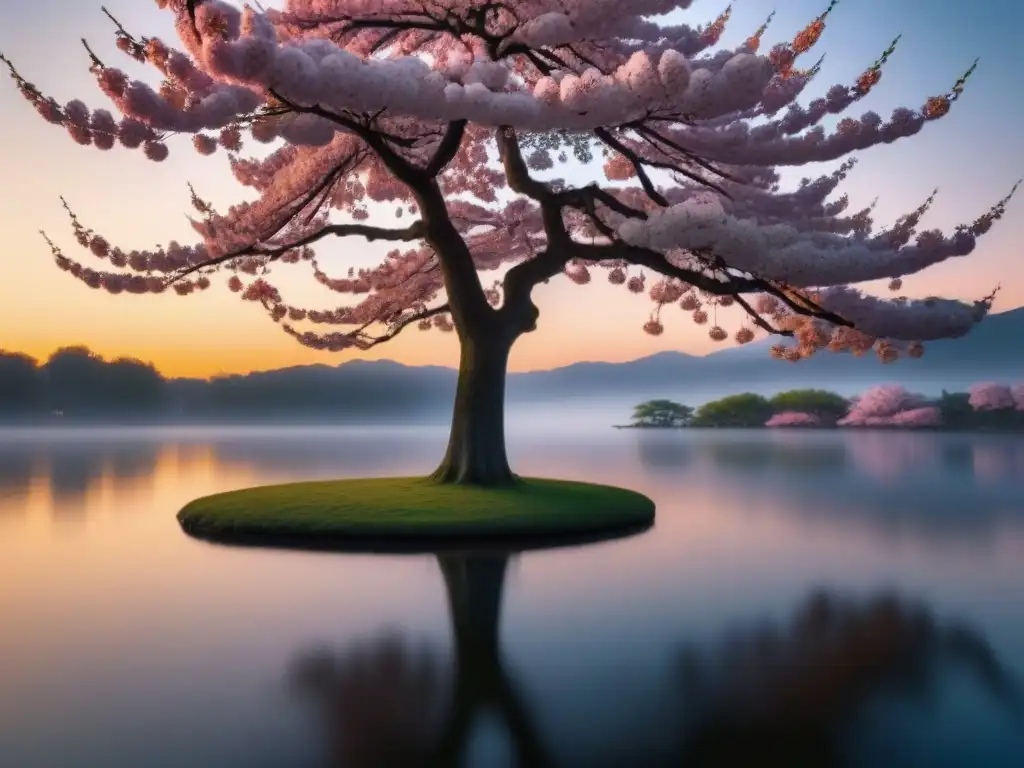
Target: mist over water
<point>778,560</point>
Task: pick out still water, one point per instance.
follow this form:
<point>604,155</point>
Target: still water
<point>804,598</point>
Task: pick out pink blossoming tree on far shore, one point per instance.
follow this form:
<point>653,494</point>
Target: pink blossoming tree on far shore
<point>927,416</point>
<point>455,114</point>
<point>890,405</point>
<point>987,396</point>
<point>793,419</point>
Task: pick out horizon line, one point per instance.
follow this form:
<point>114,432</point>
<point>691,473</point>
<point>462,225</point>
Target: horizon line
<point>433,365</point>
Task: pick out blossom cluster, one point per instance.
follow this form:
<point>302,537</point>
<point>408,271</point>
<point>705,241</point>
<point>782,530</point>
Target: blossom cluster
<point>989,396</point>
<point>891,405</point>
<point>793,419</point>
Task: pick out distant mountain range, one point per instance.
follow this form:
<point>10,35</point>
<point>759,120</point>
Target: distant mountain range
<point>78,384</point>
<point>992,350</point>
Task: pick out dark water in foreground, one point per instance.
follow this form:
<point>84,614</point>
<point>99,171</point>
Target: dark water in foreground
<point>806,597</point>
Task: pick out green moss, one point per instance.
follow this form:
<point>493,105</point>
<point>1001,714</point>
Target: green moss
<point>412,512</point>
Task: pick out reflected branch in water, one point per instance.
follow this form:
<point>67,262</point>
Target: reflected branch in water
<point>381,703</point>
<point>386,704</point>
<point>770,695</point>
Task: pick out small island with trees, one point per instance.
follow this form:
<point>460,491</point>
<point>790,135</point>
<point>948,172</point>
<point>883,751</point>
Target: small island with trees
<point>985,406</point>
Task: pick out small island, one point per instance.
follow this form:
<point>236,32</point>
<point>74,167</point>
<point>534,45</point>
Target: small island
<point>985,406</point>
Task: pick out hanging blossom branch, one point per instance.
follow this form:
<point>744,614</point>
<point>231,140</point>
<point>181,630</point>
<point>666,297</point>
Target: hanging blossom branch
<point>403,104</point>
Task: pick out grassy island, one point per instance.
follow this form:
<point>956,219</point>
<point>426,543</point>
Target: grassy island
<point>414,514</point>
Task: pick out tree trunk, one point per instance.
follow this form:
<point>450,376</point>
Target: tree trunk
<point>476,445</point>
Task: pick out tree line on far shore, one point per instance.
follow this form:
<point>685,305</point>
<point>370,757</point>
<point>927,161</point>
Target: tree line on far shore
<point>985,405</point>
<point>76,384</point>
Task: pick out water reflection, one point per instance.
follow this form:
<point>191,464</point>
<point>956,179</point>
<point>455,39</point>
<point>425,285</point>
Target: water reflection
<point>385,704</point>
<point>72,471</point>
<point>881,456</point>
<point>17,469</point>
<point>795,695</point>
<point>187,642</point>
<point>938,487</point>
<point>362,451</point>
<point>663,455</point>
<point>131,460</point>
<point>791,695</point>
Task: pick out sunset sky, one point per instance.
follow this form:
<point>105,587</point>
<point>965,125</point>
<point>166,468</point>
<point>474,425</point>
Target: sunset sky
<point>974,155</point>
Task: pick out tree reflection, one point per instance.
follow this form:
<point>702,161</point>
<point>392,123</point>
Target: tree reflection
<point>663,453</point>
<point>387,704</point>
<point>74,469</point>
<point>17,467</point>
<point>782,451</point>
<point>767,695</point>
<point>941,489</point>
<point>789,695</point>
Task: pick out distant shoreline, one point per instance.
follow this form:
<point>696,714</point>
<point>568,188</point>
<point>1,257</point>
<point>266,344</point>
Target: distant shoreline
<point>1013,428</point>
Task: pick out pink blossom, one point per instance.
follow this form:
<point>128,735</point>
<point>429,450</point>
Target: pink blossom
<point>156,150</point>
<point>793,419</point>
<point>991,397</point>
<point>578,273</point>
<point>666,291</point>
<point>929,416</point>
<point>1017,391</point>
<point>205,145</point>
<point>653,328</point>
<point>132,133</point>
<point>880,403</point>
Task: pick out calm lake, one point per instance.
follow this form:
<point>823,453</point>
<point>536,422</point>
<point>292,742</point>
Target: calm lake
<point>810,597</point>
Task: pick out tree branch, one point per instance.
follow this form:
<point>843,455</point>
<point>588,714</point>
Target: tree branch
<point>522,278</point>
<point>469,306</point>
<point>733,286</point>
<point>585,199</point>
<point>516,172</point>
<point>401,168</point>
<point>645,181</point>
<point>448,147</point>
<point>415,231</point>
<point>758,320</point>
<point>405,323</point>
<point>653,260</point>
<point>653,135</point>
<point>673,167</point>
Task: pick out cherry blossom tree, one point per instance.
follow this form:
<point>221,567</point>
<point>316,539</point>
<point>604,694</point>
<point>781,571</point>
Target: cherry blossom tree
<point>925,416</point>
<point>454,113</point>
<point>793,419</point>
<point>988,396</point>
<point>890,405</point>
